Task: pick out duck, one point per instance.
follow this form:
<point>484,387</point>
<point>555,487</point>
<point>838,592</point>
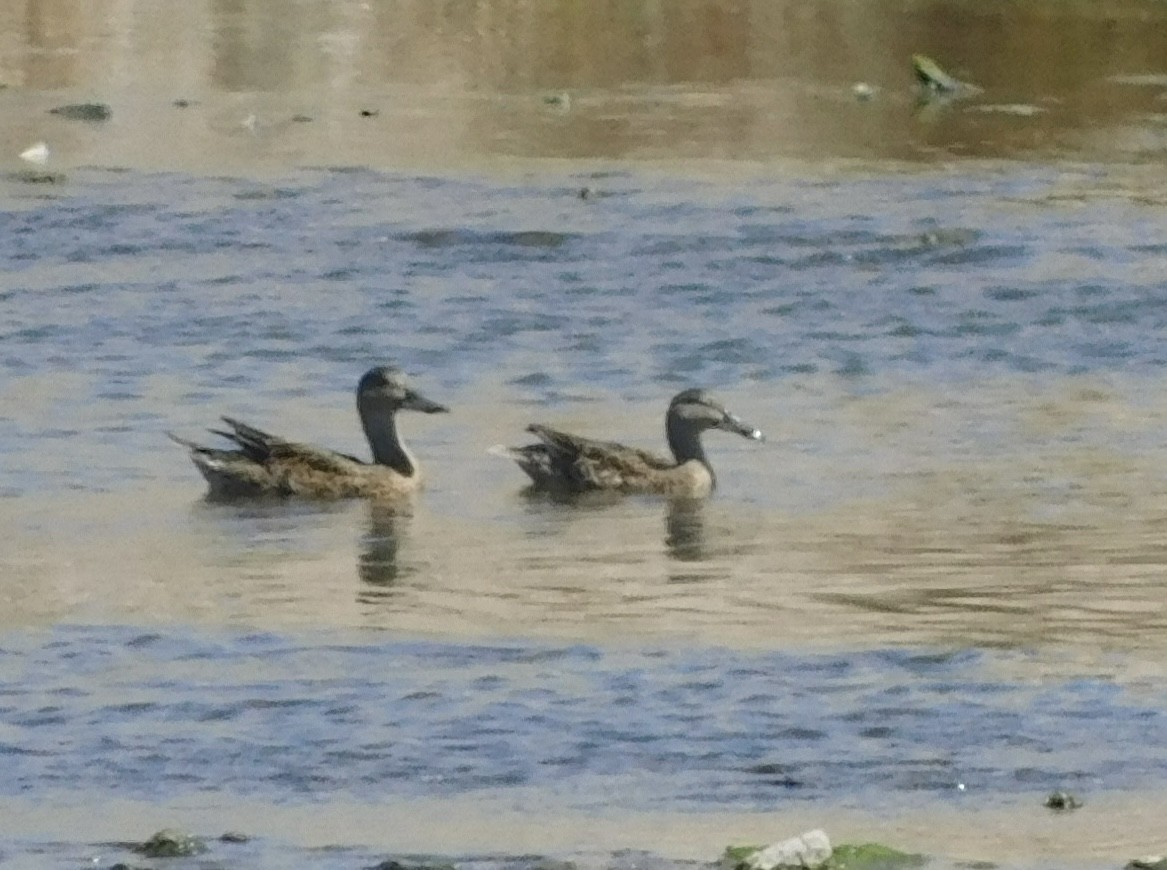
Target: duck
<point>569,464</point>
<point>262,464</point>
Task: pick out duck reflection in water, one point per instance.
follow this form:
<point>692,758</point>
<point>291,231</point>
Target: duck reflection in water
<point>379,565</point>
<point>685,539</point>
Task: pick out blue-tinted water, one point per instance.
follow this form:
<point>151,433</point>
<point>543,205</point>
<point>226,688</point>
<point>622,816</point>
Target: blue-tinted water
<point>662,282</point>
<point>123,713</point>
<point>932,596</point>
<point>238,296</point>
<point>938,581</point>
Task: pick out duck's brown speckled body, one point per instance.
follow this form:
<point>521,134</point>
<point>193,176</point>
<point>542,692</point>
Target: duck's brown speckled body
<point>572,464</point>
<point>262,464</point>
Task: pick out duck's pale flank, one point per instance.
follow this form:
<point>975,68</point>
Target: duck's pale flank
<point>572,464</point>
<point>262,464</point>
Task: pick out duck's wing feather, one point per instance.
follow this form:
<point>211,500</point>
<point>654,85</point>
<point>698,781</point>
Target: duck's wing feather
<point>592,464</point>
<point>230,472</point>
<point>261,464</point>
<point>269,450</point>
<point>201,453</point>
<point>255,444</point>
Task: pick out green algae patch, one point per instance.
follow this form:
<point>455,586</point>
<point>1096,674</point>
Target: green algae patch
<point>735,857</point>
<point>846,856</point>
<point>931,75</point>
<point>1152,862</point>
<point>873,856</point>
<point>171,843</point>
<point>935,81</point>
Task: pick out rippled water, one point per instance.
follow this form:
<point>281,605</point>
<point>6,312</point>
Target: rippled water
<point>262,715</point>
<point>960,380</point>
<point>933,595</point>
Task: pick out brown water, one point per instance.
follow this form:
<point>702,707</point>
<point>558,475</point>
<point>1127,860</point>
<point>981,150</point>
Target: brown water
<point>886,528</point>
<point>934,594</point>
<point>463,83</point>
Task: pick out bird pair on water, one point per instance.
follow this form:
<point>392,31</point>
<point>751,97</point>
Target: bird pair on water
<point>263,464</point>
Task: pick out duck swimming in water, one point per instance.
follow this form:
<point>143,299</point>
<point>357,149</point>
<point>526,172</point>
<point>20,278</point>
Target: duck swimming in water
<point>263,464</point>
<point>568,463</point>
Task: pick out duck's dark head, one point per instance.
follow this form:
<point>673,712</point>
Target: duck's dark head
<point>389,386</point>
<point>698,409</point>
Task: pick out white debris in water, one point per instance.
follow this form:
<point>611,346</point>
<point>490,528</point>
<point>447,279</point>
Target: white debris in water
<point>809,850</point>
<point>1023,110</point>
<point>862,91</point>
<point>38,154</point>
<point>1154,80</point>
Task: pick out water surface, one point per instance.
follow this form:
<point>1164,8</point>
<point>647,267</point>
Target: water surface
<point>933,595</point>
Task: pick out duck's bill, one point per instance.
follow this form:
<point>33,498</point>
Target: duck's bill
<point>734,423</point>
<point>418,402</point>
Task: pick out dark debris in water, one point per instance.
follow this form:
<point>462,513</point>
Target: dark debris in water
<point>1062,800</point>
<point>943,237</point>
<point>449,237</point>
<point>92,112</point>
<point>482,862</point>
<point>36,176</point>
<point>259,194</point>
<point>395,864</point>
<point>171,843</point>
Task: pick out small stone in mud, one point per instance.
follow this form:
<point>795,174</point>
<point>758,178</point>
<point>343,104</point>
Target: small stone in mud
<point>234,837</point>
<point>1062,800</point>
<point>84,112</point>
<point>170,843</point>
